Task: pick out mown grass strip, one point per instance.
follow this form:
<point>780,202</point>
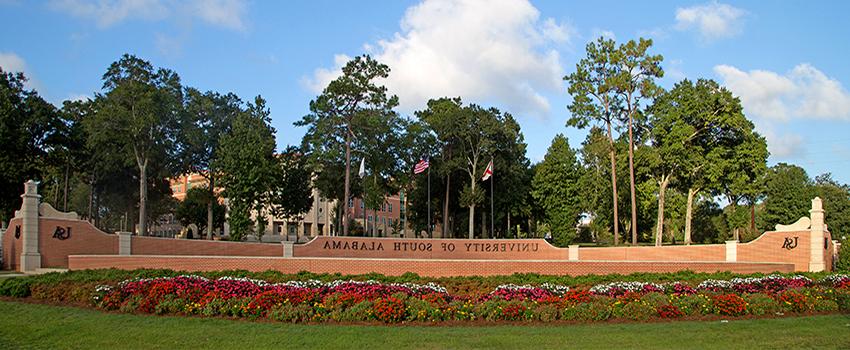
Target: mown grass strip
<point>30,326</point>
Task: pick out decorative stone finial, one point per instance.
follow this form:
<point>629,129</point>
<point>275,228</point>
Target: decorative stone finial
<point>817,204</point>
<point>31,188</point>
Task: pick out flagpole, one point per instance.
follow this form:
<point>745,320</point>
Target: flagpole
<point>492,179</point>
<point>429,202</point>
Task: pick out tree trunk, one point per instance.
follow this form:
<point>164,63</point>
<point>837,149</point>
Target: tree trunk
<point>91,200</point>
<point>472,207</point>
<point>210,208</point>
<point>404,223</point>
<point>662,189</point>
<point>347,192</point>
<point>632,181</point>
<point>65,197</point>
<point>446,214</point>
<point>484,233</point>
<point>508,235</point>
<point>689,212</point>
<point>614,185</point>
<point>143,199</point>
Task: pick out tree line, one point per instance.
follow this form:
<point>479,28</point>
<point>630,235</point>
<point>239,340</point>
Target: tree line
<point>697,169</point>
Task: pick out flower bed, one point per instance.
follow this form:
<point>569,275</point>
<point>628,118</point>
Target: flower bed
<point>357,301</point>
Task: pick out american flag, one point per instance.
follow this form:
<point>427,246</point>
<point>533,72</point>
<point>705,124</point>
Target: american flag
<point>421,166</point>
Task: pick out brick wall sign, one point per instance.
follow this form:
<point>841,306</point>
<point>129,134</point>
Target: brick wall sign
<point>461,249</point>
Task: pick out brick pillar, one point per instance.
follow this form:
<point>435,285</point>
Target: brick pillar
<point>731,251</point>
<point>125,240</point>
<point>816,261</point>
<point>30,256</point>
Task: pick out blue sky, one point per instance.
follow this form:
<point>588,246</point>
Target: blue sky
<point>786,60</point>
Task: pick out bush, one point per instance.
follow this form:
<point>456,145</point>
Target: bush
<point>596,310</point>
<point>669,311</point>
<point>361,311</point>
<point>761,304</point>
<point>636,310</point>
<point>694,304</point>
<point>16,287</point>
<point>389,309</point>
<point>729,305</point>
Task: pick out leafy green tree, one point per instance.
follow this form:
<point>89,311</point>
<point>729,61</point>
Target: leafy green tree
<point>417,141</point>
<point>246,159</point>
<point>193,209</point>
<point>595,100</point>
<point>695,127</point>
<point>28,124</point>
<point>556,186</point>
<point>788,191</point>
<point>290,190</point>
<point>345,117</point>
<point>140,109</point>
<point>443,117</point>
<point>634,82</point>
<point>836,204</point>
<point>208,116</point>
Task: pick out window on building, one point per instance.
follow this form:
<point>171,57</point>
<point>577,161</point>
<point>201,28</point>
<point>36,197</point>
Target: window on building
<point>370,217</point>
<point>351,203</point>
<point>361,204</point>
<point>390,206</point>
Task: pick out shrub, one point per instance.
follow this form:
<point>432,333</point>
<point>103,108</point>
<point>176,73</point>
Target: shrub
<point>636,310</point>
<point>761,304</point>
<point>729,305</point>
<point>361,311</point>
<point>596,310</point>
<point>693,304</point>
<point>389,309</point>
<point>170,305</point>
<point>546,313</point>
<point>795,301</point>
<point>291,313</point>
<point>669,311</point>
<point>16,287</point>
<point>514,311</point>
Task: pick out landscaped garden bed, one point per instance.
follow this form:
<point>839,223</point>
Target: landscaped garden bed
<point>409,298</point>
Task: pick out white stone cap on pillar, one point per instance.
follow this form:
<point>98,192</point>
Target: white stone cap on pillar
<point>731,251</point>
<point>287,248</point>
<point>31,188</point>
<point>573,252</point>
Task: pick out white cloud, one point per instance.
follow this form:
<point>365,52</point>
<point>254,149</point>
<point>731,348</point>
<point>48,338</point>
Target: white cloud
<point>713,20</point>
<point>604,33</point>
<point>803,93</point>
<point>225,13</point>
<point>10,62</point>
<point>482,51</point>
<point>323,76</point>
<point>783,146</point>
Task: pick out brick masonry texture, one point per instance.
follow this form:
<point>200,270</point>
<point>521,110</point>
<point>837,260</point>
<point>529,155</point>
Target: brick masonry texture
<point>395,267</point>
<point>89,247</point>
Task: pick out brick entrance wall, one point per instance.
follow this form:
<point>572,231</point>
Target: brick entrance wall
<point>429,268</point>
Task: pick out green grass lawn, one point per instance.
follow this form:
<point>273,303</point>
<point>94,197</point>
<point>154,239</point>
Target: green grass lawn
<point>52,327</point>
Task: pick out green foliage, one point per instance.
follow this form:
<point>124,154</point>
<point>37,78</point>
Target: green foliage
<point>248,166</point>
<point>788,192</point>
<point>137,118</point>
<point>29,127</point>
<point>352,115</point>
<point>556,188</point>
<point>16,287</point>
<point>193,209</point>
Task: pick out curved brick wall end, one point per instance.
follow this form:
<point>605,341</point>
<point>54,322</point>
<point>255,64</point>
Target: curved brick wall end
<point>12,247</point>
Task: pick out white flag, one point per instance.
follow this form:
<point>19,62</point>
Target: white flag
<point>362,172</point>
